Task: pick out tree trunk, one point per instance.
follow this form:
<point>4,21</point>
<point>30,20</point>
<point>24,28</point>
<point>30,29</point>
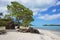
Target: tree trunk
<point>18,23</point>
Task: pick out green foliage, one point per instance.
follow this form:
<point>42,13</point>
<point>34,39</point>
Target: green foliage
<point>21,13</point>
<point>51,25</point>
<point>3,22</point>
<point>16,9</point>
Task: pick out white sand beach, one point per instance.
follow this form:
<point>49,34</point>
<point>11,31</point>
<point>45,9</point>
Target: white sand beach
<point>45,35</point>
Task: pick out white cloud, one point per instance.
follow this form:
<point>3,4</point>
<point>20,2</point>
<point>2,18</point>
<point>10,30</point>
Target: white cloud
<point>38,3</point>
<point>8,0</point>
<point>58,3</point>
<point>54,10</point>
<point>35,11</point>
<point>32,4</point>
<point>45,9</point>
<point>24,1</point>
<point>49,17</point>
<point>1,9</point>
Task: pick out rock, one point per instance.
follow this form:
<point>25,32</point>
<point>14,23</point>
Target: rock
<point>32,30</point>
<point>23,30</point>
<point>10,25</point>
<point>2,31</point>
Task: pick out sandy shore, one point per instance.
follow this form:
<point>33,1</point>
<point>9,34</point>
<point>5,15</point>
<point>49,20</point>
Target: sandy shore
<point>45,35</point>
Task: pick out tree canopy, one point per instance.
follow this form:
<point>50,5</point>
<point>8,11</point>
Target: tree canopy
<point>20,12</point>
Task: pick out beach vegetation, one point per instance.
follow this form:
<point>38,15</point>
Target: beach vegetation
<point>23,15</point>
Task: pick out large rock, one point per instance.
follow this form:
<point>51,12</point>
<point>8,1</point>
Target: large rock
<point>10,25</point>
<point>30,29</point>
<point>33,30</point>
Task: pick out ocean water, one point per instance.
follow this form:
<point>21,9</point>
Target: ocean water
<point>54,29</point>
<point>56,32</point>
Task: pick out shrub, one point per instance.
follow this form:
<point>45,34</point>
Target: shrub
<point>3,22</point>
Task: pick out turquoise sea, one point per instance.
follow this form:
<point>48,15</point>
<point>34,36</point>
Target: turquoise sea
<point>54,29</point>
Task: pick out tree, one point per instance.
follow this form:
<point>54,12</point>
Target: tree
<point>20,12</point>
<point>1,14</point>
<point>7,16</point>
<point>3,22</point>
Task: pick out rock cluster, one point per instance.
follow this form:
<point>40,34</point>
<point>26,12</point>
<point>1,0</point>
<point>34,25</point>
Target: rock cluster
<point>30,29</point>
<point>10,25</point>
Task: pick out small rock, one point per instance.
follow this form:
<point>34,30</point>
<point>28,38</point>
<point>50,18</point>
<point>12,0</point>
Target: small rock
<point>2,31</point>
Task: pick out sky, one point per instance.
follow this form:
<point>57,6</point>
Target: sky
<point>44,11</point>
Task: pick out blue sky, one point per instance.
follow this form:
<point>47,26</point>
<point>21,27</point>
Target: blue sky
<point>44,11</point>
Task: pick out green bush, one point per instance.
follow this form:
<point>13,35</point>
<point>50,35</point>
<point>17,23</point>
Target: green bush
<point>3,22</point>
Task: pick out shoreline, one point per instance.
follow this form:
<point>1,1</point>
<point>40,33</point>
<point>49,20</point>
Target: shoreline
<point>52,31</point>
<point>45,35</point>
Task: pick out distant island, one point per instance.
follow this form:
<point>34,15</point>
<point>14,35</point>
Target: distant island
<point>51,25</point>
